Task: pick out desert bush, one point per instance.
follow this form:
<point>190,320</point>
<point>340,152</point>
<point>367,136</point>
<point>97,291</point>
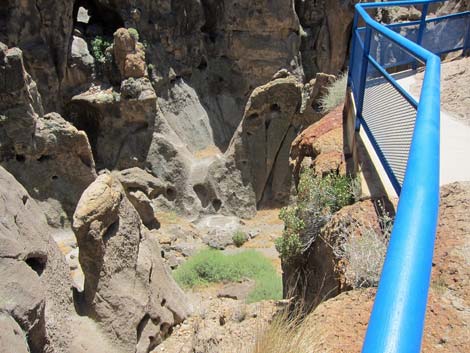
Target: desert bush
<point>336,92</point>
<point>239,238</point>
<point>364,248</point>
<point>317,199</point>
<point>99,45</point>
<point>133,32</point>
<point>213,266</point>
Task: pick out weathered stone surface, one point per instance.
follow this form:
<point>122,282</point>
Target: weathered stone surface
<point>49,156</point>
<point>127,286</point>
<point>80,68</point>
<point>320,146</point>
<point>42,30</point>
<point>129,55</point>
<point>119,125</point>
<point>36,288</point>
<point>256,144</point>
<point>12,338</point>
<point>327,27</point>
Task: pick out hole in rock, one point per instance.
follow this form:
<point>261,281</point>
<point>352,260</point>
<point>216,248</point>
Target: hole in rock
<point>44,158</point>
<point>275,108</point>
<point>54,177</point>
<point>170,194</point>
<point>20,158</point>
<point>217,204</point>
<point>37,263</point>
<point>202,194</point>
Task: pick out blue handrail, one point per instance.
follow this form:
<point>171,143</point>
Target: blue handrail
<point>397,319</point>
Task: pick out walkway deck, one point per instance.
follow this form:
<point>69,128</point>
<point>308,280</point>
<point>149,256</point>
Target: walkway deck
<point>455,140</point>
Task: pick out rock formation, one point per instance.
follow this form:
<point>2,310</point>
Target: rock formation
<point>340,323</point>
<point>48,155</point>
<point>127,288</point>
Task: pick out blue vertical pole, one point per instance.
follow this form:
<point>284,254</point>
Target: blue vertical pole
<point>422,28</point>
<point>363,77</point>
<point>353,46</point>
<point>466,46</point>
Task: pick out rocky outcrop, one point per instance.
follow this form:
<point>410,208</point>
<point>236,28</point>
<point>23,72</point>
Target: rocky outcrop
<point>320,147</point>
<point>321,272</point>
<point>48,155</point>
<point>129,54</point>
<point>127,288</point>
<point>340,323</point>
<point>44,41</point>
<point>36,288</point>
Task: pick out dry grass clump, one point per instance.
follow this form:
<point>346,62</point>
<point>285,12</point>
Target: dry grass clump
<point>336,94</point>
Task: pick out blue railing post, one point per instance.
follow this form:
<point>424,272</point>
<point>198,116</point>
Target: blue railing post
<point>363,77</point>
<point>353,45</point>
<point>422,28</point>
<point>466,46</point>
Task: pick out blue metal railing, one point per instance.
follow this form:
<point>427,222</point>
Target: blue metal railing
<point>411,162</point>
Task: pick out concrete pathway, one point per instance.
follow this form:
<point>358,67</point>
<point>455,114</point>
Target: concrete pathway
<point>455,141</point>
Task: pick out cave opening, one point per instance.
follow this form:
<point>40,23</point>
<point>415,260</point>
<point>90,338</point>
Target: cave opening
<point>93,18</point>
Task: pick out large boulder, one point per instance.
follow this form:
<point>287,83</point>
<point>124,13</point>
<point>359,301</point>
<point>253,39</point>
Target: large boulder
<point>127,287</point>
<point>129,54</point>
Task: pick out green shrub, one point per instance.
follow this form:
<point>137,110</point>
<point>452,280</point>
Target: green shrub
<point>133,32</point>
<point>98,48</point>
<point>318,198</point>
<point>212,266</point>
<point>289,245</point>
<point>239,238</point>
<point>335,95</point>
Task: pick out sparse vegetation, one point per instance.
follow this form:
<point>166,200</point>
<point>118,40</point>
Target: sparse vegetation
<point>318,198</point>
<point>364,251</point>
<point>213,266</point>
<point>335,95</point>
<point>133,32</point>
<point>99,45</point>
<point>239,238</point>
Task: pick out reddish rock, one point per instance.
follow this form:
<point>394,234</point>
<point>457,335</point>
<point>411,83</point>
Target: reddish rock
<point>339,324</point>
<point>320,146</point>
<point>129,55</point>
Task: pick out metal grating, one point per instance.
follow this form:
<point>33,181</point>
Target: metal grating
<point>390,119</point>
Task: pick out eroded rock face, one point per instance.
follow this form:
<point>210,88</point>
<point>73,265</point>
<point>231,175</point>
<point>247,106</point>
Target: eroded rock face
<point>44,41</point>
<point>127,288</point>
<point>36,288</point>
<point>48,155</point>
<point>320,147</point>
<point>119,124</point>
<point>327,26</point>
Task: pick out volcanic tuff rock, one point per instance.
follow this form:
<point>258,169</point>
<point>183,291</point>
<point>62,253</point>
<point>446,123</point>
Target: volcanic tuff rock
<point>127,287</point>
<point>36,288</point>
<point>48,155</point>
<point>320,146</point>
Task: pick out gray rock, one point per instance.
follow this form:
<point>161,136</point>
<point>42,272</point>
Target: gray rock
<point>126,284</point>
<point>36,288</point>
<point>12,338</point>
